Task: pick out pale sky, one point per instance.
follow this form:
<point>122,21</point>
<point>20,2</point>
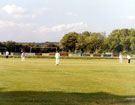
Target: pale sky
<point>49,20</point>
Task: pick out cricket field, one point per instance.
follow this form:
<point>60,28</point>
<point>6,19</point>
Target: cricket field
<point>38,81</point>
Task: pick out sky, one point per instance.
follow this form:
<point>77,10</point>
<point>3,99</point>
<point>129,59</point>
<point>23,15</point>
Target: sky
<point>49,20</point>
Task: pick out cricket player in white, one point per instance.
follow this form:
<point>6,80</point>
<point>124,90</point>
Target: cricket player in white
<point>23,56</point>
<point>128,57</point>
<point>7,53</point>
<point>57,55</point>
<point>120,57</point>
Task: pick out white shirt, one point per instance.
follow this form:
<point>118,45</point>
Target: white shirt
<point>128,57</point>
<point>57,55</point>
<point>120,56</point>
<point>7,53</point>
<point>22,55</point>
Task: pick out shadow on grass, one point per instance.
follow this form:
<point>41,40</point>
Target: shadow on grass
<point>61,98</point>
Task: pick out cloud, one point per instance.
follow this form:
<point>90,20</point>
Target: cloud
<point>35,32</point>
<point>11,9</point>
<point>46,9</point>
<point>43,10</point>
<point>17,12</point>
<point>15,31</point>
<point>41,28</point>
<point>63,27</point>
<point>19,16</point>
<point>5,24</point>
<point>131,17</point>
<point>71,14</point>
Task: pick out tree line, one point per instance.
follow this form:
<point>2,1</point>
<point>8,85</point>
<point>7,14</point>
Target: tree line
<point>12,46</point>
<point>118,41</point>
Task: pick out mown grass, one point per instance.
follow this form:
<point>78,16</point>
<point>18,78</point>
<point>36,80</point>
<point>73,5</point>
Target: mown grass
<point>74,82</point>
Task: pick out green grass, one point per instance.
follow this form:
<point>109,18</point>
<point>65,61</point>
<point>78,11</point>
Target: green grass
<point>74,82</point>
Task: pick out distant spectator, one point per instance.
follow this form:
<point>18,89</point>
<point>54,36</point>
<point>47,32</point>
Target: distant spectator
<point>81,53</point>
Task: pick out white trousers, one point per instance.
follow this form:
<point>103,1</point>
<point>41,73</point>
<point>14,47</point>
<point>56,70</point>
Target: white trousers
<point>23,58</point>
<point>57,61</point>
<point>120,60</point>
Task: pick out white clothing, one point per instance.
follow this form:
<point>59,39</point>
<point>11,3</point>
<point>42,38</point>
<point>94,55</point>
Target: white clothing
<point>23,57</point>
<point>57,61</point>
<point>128,57</point>
<point>7,53</point>
<point>57,55</point>
<point>120,57</point>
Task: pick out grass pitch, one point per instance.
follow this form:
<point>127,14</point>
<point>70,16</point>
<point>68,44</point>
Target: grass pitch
<point>74,82</point>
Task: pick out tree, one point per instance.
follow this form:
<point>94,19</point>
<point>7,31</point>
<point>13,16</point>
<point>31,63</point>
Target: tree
<point>68,42</point>
<point>114,41</point>
<point>86,33</point>
<point>81,43</point>
<point>94,42</point>
<point>119,40</point>
<point>50,47</point>
<point>132,41</point>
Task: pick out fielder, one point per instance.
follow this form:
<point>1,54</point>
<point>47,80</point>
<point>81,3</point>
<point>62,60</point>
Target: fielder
<point>120,57</point>
<point>57,56</point>
<point>23,56</point>
<point>128,57</point>
<point>7,53</point>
